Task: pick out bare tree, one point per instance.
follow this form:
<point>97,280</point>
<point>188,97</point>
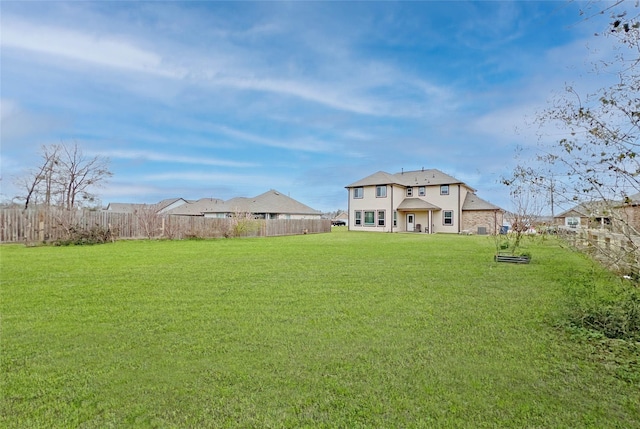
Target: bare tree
<point>64,177</point>
<point>241,223</point>
<point>596,158</point>
<point>528,204</point>
<point>148,218</point>
<point>78,174</point>
<point>38,182</point>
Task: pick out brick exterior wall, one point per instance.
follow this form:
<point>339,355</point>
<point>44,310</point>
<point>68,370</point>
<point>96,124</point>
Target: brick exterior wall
<point>489,219</point>
<point>631,216</point>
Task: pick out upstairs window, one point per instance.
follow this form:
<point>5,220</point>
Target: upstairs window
<point>422,191</point>
<point>358,192</point>
<point>381,191</point>
<point>444,189</point>
<point>409,192</point>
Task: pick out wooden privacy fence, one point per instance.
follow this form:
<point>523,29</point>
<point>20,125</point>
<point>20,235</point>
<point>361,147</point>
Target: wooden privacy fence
<point>31,226</point>
<point>620,252</point>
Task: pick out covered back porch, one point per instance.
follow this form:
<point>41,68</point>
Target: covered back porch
<point>416,215</point>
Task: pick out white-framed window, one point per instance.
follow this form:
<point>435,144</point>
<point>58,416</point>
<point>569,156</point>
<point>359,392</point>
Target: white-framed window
<point>380,217</point>
<point>358,218</point>
<point>422,191</point>
<point>444,189</point>
<point>573,222</point>
<point>447,217</point>
<point>410,192</point>
<point>395,218</point>
<point>381,191</point>
<point>369,218</point>
<point>358,192</point>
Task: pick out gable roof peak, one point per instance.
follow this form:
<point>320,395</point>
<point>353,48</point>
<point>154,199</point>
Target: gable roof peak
<point>429,176</point>
<point>378,178</point>
<point>474,202</point>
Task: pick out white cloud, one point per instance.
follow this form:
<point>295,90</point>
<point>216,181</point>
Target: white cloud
<point>317,92</point>
<point>344,83</point>
<point>172,158</point>
<point>109,51</point>
<point>17,123</point>
<point>306,144</point>
<point>7,108</point>
<point>213,179</point>
<point>128,190</point>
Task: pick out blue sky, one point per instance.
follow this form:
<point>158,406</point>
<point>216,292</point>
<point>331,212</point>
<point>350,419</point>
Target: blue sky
<point>226,99</point>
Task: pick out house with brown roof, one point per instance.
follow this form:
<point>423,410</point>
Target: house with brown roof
<point>427,201</point>
<point>595,214</point>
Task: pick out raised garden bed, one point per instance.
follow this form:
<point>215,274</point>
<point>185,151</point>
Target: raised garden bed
<point>522,259</point>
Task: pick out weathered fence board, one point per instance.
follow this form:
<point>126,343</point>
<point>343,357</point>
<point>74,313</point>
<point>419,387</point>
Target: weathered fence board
<point>29,226</point>
<point>618,251</point>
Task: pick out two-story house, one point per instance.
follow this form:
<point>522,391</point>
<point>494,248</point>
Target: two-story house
<point>427,201</point>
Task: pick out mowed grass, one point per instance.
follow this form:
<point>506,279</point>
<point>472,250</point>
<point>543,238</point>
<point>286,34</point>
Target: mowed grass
<point>332,330</point>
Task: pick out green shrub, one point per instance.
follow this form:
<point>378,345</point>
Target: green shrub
<point>613,313</point>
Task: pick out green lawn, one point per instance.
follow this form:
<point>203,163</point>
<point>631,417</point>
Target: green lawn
<point>333,330</point>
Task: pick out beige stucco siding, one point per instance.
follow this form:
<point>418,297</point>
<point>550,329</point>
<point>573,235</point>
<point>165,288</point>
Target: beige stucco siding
<point>451,202</point>
<point>369,202</point>
<point>395,195</point>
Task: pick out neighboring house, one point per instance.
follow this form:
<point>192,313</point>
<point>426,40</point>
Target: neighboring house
<point>160,208</point>
<point>629,212</point>
<point>269,205</point>
<point>585,215</point>
<point>170,204</point>
<point>428,201</point>
<point>341,219</point>
<point>124,207</point>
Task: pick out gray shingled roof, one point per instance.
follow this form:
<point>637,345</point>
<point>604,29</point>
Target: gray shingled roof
<point>423,177</point>
<point>269,202</point>
<point>379,178</point>
<point>587,209</point>
<point>132,207</point>
<point>196,208</point>
<point>474,202</point>
<point>167,202</point>
<point>124,207</point>
<point>417,204</point>
<point>273,201</point>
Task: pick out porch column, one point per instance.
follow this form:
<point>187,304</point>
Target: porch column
<point>430,223</point>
